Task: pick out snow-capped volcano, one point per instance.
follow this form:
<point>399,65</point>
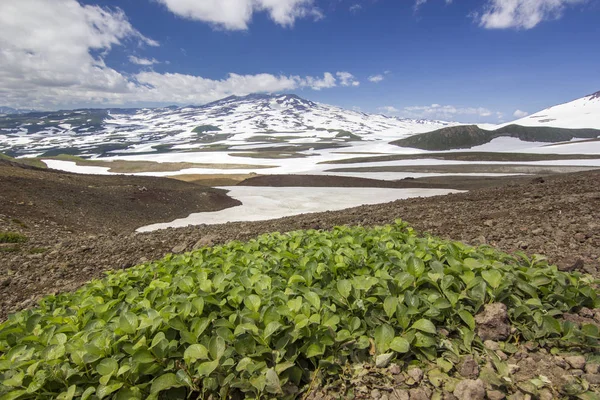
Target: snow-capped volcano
<point>233,120</point>
<point>577,114</point>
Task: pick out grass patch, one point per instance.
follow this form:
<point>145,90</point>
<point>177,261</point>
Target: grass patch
<point>257,319</point>
<point>32,162</point>
<point>19,222</point>
<point>12,237</point>
<point>206,128</point>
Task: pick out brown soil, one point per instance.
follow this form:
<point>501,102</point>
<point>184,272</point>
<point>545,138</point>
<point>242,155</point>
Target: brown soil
<point>470,168</point>
<point>94,203</point>
<point>434,182</point>
<point>557,216</point>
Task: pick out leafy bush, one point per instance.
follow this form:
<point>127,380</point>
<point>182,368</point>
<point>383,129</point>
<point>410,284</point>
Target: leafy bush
<point>12,237</point>
<point>257,318</point>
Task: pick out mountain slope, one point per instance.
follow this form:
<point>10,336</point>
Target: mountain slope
<point>580,113</point>
<point>253,119</point>
<point>468,136</point>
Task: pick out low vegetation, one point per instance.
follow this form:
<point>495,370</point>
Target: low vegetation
<point>126,166</point>
<point>32,162</point>
<point>259,319</point>
<point>206,128</point>
<point>467,136</point>
<point>12,237</point>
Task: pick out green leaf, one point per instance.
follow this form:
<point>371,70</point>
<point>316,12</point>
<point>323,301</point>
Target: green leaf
<point>424,325</point>
<point>128,322</point>
<point>207,368</point>
<point>415,266</point>
<point>400,345</point>
<point>472,264</point>
<point>104,390</point>
<point>295,305</point>
<point>195,352</point>
<point>108,366</point>
<point>88,393</point>
<point>252,302</point>
<point>164,382</point>
<point>15,394</point>
<point>492,277</point>
<point>272,382</point>
<point>344,287</point>
<point>271,329</point>
<point>468,319</point>
<point>143,357</point>
<point>68,395</point>
<point>216,347</point>
<point>313,299</point>
<point>384,334</point>
<point>390,305</point>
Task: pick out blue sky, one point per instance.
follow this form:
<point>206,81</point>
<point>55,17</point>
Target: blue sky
<point>471,61</point>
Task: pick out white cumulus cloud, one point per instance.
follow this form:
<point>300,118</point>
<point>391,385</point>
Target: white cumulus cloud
<point>389,109</point>
<point>143,61</point>
<point>520,114</point>
<point>51,53</point>
<point>521,14</point>
<point>376,78</point>
<point>237,14</point>
<point>445,111</point>
<point>347,79</point>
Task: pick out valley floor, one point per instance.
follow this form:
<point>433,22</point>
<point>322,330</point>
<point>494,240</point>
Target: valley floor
<point>554,215</point>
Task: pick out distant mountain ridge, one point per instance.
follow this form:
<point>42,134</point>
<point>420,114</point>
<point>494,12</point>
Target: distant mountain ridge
<point>252,118</point>
<point>9,110</point>
<point>580,113</point>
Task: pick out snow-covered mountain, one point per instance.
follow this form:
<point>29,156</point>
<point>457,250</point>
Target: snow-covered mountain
<point>9,110</point>
<point>577,114</point>
<point>233,120</point>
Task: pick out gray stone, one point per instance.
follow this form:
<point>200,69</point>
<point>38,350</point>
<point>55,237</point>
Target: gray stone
<point>423,393</point>
<point>470,390</point>
<point>468,368</point>
<point>205,241</point>
<point>592,368</point>
<point>383,360</point>
<point>416,374</point>
<point>495,395</point>
<point>492,322</point>
<point>180,248</point>
<point>594,379</point>
<point>576,362</point>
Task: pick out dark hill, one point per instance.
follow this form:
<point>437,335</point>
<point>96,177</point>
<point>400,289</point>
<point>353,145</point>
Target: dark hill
<point>467,136</point>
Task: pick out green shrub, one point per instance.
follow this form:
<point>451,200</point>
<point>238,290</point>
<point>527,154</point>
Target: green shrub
<point>256,318</point>
<point>12,237</point>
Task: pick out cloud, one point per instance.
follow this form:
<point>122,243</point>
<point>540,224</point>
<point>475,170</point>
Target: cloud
<point>521,14</point>
<point>419,3</point>
<point>520,114</point>
<point>237,14</point>
<point>347,79</point>
<point>143,61</point>
<point>389,109</point>
<point>355,8</point>
<point>376,78</point>
<point>51,52</point>
<point>438,111</point>
<point>46,49</point>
